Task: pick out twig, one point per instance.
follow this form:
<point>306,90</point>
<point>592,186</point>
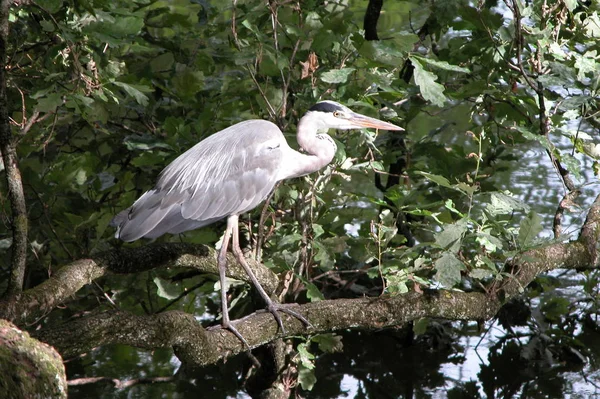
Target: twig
<point>261,223</point>
<point>183,294</point>
<point>514,7</point>
<point>270,109</point>
<point>566,202</point>
<point>236,41</point>
<point>45,212</point>
<point>120,384</point>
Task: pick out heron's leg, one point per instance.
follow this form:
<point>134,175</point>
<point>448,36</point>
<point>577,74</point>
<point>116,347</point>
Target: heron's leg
<point>272,307</point>
<point>222,264</point>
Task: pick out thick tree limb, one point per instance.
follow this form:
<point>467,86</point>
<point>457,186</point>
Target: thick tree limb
<point>196,346</point>
<point>35,302</point>
<point>13,175</point>
<point>29,368</point>
<point>590,232</point>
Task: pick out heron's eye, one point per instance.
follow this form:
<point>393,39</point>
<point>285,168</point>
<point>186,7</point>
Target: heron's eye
<point>337,114</point>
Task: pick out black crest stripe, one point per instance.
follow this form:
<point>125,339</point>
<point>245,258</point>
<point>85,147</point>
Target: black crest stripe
<point>325,107</point>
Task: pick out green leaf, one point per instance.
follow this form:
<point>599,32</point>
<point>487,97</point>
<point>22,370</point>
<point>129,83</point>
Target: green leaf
<point>489,242</point>
<point>449,204</point>
<point>555,308</point>
<point>571,4</point>
<point>572,164</point>
<point>50,103</point>
<point>329,343</point>
<point>451,235</point>
<point>126,26</point>
<point>440,180</point>
<point>50,6</point>
<point>440,64</point>
<point>530,227</point>
<point>306,358</point>
<point>448,270</point>
<point>187,81</point>
<point>504,204</point>
<point>480,273</point>
<point>313,21</point>
<point>148,158</point>
<point>289,239</point>
<point>162,63</point>
<point>585,64</point>
<point>306,378</point>
<point>144,143</point>
<point>592,25</point>
<point>337,75</point>
<point>312,292</point>
<point>136,91</point>
<point>388,53</point>
<point>430,89</point>
<point>420,326</point>
<point>166,289</point>
<point>543,140</point>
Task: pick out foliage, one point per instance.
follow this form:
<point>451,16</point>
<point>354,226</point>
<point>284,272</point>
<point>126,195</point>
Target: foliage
<point>104,94</point>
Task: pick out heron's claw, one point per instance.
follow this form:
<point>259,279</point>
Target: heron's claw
<point>274,308</point>
<point>233,330</point>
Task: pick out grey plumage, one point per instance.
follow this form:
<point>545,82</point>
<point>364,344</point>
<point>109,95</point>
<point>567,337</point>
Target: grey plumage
<point>201,186</point>
<point>230,173</point>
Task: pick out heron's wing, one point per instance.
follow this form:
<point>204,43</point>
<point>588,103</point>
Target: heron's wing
<point>229,173</point>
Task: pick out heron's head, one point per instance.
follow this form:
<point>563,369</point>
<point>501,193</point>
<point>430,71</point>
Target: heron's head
<point>332,115</point>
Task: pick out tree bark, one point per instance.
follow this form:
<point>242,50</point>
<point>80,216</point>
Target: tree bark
<point>13,175</point>
<point>28,367</point>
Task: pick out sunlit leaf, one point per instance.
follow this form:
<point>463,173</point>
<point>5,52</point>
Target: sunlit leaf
<point>530,227</point>
<point>448,270</point>
<point>572,164</point>
<point>503,203</point>
<point>337,75</point>
<point>430,89</point>
<point>451,235</point>
<point>166,289</point>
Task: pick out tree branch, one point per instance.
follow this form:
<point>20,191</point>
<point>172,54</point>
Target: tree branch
<point>371,18</point>
<point>35,302</point>
<point>13,175</point>
<point>121,384</point>
<point>196,346</point>
<point>590,233</point>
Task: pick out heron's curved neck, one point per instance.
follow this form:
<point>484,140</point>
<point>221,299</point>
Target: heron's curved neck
<point>313,138</point>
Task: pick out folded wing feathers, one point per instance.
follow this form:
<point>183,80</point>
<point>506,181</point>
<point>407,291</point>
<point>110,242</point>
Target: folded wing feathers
<point>228,173</point>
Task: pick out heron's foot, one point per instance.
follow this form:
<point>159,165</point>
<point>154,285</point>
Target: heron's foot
<point>274,308</point>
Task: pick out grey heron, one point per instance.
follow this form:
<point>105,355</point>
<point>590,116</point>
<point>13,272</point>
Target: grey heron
<point>230,173</point>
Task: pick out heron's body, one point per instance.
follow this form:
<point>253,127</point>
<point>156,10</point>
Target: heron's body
<point>232,172</point>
